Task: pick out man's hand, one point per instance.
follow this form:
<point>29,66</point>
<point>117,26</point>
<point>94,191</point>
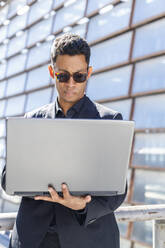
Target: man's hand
<point>68,200</point>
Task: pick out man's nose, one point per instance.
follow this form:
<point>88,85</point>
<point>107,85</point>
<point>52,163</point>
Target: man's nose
<point>71,82</point>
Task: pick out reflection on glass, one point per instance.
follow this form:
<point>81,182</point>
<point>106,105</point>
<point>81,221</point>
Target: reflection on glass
<point>69,14</point>
<point>15,106</point>
<point>38,99</point>
<point>114,20</point>
<point>109,84</point>
<point>2,148</point>
<point>2,128</point>
<point>54,94</point>
<point>38,55</point>
<point>16,64</point>
<point>2,51</point>
<point>2,70</point>
<point>3,32</point>
<point>16,85</point>
<point>2,88</point>
<point>142,231</point>
<point>3,13</point>
<point>149,150</point>
<point>17,24</point>
<point>149,111</point>
<point>123,228</point>
<point>117,48</point>
<point>149,187</point>
<point>2,108</point>
<point>147,8</point>
<point>122,106</point>
<point>150,39</point>
<point>57,3</point>
<point>149,75</point>
<point>38,77</point>
<point>16,44</point>
<point>14,6</point>
<point>98,4</point>
<point>79,30</point>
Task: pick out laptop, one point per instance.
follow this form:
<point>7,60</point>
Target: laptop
<point>90,156</point>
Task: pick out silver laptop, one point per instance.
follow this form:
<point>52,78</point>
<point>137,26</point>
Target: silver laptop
<point>90,156</point>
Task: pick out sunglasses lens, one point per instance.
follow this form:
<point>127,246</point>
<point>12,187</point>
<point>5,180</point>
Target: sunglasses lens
<point>63,77</point>
<point>79,77</point>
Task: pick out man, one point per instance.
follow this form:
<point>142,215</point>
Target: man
<point>68,221</point>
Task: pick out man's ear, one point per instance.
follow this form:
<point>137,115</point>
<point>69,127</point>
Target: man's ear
<point>90,69</point>
<point>51,71</point>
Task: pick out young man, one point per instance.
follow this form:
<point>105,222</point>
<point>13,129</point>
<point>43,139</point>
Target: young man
<point>68,221</point>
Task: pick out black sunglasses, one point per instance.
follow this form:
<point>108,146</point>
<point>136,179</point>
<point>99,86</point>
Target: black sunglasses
<point>64,77</point>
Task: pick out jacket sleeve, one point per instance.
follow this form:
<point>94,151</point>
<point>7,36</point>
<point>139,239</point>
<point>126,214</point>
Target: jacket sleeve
<point>100,205</point>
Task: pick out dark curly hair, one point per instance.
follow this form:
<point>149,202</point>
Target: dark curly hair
<point>70,44</point>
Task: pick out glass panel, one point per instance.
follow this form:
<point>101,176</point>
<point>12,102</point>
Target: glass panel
<point>136,245</point>
<point>38,78</point>
<point>125,243</point>
<point>16,44</point>
<point>38,55</point>
<point>149,150</point>
<point>118,49</point>
<point>149,187</point>
<point>97,5</point>
<point>2,148</point>
<point>147,8</point>
<point>17,23</point>
<point>112,21</point>
<point>109,84</point>
<point>54,94</point>
<point>123,106</point>
<point>3,32</point>
<point>150,39</point>
<point>3,13</point>
<point>16,85</point>
<point>15,105</point>
<point>2,88</point>
<point>14,6</point>
<point>142,231</point>
<point>79,29</point>
<point>149,111</point>
<point>123,228</point>
<point>2,128</point>
<point>69,14</point>
<point>2,164</point>
<point>3,51</point>
<point>57,3</point>
<point>149,75</point>
<point>42,28</point>
<point>16,64</point>
<point>38,10</point>
<point>2,70</point>
<point>2,107</point>
<point>38,99</point>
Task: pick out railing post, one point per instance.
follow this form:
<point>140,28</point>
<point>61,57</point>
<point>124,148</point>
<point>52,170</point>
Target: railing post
<point>159,234</point>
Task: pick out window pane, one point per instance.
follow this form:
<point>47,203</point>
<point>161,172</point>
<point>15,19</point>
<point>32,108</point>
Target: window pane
<point>2,70</point>
<point>112,21</point>
<point>38,55</point>
<point>38,77</point>
<point>2,88</point>
<point>2,51</point>
<point>97,5</point>
<point>2,148</point>
<point>149,150</point>
<point>2,128</point>
<point>149,111</point>
<point>15,105</point>
<point>149,187</point>
<point>2,107</point>
<point>149,75</point>
<point>79,29</point>
<point>117,48</point>
<point>16,64</point>
<point>123,226</point>
<point>38,10</point>
<point>125,243</point>
<point>3,32</point>
<point>124,107</point>
<point>3,13</point>
<point>142,231</point>
<point>2,164</point>
<point>38,99</point>
<point>109,84</point>
<point>42,29</point>
<point>54,94</point>
<point>147,8</point>
<point>150,39</point>
<point>57,3</point>
<point>16,44</point>
<point>16,24</point>
<point>14,6</point>
<point>69,14</point>
<point>16,85</point>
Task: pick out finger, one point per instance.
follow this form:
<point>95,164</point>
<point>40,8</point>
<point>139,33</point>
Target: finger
<point>54,194</point>
<point>65,191</point>
<point>43,198</point>
<point>88,198</point>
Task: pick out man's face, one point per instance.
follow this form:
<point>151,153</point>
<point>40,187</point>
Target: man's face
<point>71,91</point>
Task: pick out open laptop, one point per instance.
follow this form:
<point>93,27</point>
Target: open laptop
<point>90,156</point>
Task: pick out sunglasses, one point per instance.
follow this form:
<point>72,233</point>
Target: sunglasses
<point>64,77</point>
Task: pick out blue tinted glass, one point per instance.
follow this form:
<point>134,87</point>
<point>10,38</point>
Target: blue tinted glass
<point>149,75</point>
<point>16,84</point>
<point>149,111</point>
<point>96,4</point>
<point>109,84</point>
<point>142,231</point>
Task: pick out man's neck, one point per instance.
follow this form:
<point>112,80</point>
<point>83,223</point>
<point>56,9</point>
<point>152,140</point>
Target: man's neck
<point>65,105</point>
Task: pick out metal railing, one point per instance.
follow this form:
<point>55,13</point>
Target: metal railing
<point>126,213</point>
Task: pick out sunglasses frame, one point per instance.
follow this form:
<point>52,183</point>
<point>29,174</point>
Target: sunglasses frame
<point>71,75</point>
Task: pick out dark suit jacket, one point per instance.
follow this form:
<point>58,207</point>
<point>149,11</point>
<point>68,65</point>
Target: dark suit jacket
<point>94,229</point>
